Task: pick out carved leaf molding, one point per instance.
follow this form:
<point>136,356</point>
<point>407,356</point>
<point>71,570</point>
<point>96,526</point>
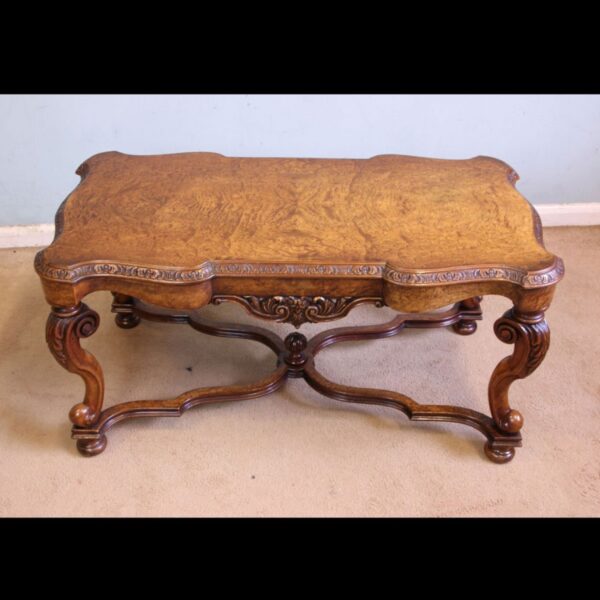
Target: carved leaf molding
<point>298,309</point>
<point>209,270</point>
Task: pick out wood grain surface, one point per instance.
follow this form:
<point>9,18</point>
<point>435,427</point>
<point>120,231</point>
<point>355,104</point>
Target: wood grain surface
<point>195,217</point>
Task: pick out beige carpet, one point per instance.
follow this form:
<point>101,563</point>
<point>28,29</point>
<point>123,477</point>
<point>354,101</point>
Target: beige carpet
<point>295,452</point>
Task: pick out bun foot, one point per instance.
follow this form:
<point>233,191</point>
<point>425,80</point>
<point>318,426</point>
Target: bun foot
<point>127,320</point>
<point>124,306</point>
<point>91,447</point>
<point>499,455</point>
<point>465,327</point>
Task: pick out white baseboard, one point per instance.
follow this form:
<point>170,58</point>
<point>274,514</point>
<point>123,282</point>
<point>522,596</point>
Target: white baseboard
<point>558,215</point>
<point>21,236</point>
<point>552,215</point>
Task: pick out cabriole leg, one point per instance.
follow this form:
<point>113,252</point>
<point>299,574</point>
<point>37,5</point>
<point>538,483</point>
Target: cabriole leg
<point>64,329</point>
<point>530,334</point>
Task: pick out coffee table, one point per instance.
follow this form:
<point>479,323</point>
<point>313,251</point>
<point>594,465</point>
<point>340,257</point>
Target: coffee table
<point>295,241</point>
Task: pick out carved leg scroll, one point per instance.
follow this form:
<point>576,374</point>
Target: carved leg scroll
<point>530,334</point>
<point>64,329</point>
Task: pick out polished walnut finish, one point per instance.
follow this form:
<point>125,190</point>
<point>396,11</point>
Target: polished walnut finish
<point>296,241</point>
<point>178,229</point>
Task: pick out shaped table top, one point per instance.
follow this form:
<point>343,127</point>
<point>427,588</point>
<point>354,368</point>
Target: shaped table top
<point>191,217</point>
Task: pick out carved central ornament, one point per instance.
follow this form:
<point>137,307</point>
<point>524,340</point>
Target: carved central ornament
<point>298,309</point>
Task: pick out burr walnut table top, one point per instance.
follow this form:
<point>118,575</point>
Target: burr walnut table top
<point>177,229</point>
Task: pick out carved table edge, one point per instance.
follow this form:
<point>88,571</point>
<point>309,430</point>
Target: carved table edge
<point>211,269</point>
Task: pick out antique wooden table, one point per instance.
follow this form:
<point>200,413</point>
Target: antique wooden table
<point>298,240</point>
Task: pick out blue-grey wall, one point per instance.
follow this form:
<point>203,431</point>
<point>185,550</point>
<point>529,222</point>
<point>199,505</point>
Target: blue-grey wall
<point>552,141</point>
